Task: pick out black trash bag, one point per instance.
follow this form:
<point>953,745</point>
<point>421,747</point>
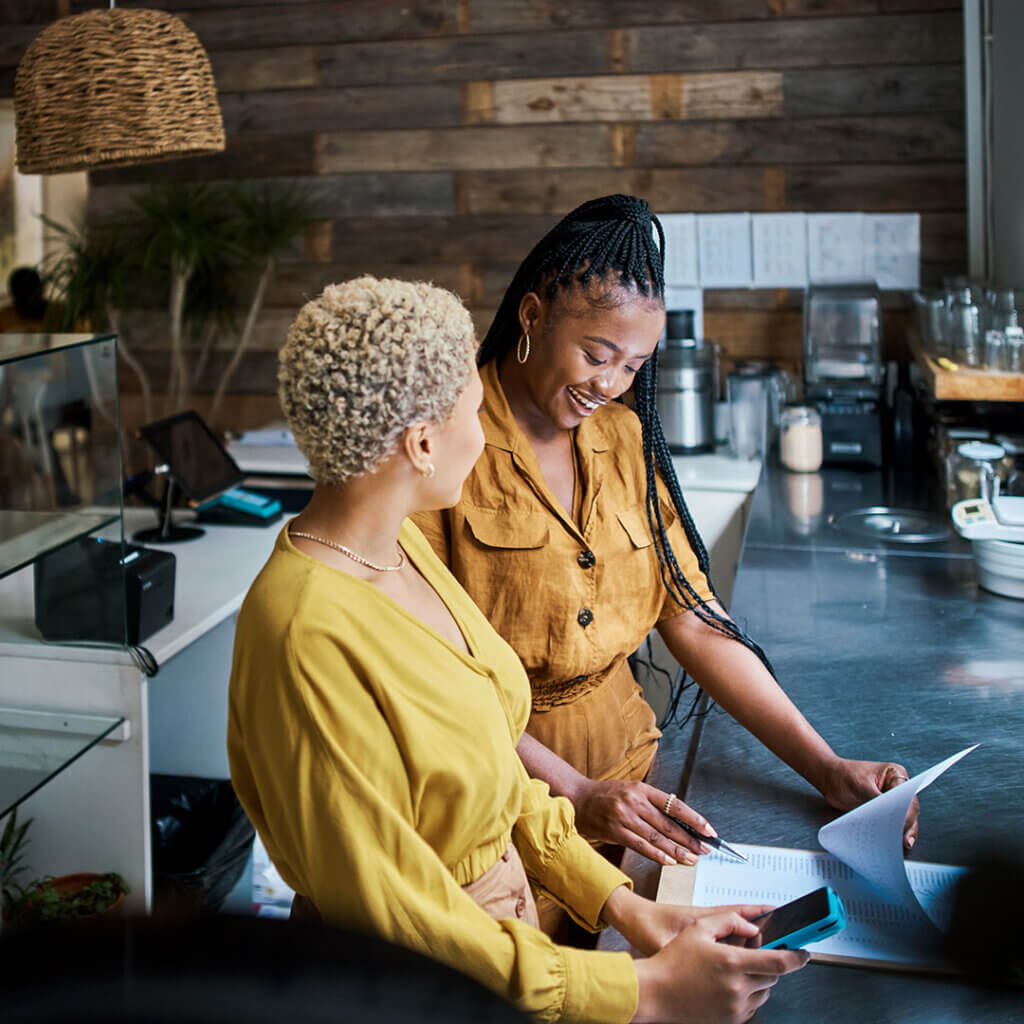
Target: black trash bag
<point>201,842</point>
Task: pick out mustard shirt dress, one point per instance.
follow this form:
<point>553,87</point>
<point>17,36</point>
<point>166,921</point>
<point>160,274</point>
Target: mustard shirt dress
<point>378,764</point>
<point>573,595</point>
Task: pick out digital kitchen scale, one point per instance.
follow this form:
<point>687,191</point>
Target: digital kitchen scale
<point>1000,519</point>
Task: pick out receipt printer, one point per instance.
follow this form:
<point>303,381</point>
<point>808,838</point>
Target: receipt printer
<point>92,590</point>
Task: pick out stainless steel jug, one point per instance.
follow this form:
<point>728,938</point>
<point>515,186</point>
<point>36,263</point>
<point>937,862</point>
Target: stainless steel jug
<point>686,392</point>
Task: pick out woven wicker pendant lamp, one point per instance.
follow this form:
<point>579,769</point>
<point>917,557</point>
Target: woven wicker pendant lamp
<point>113,87</point>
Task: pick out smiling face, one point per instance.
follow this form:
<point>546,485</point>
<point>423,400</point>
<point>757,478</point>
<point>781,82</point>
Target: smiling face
<point>586,346</point>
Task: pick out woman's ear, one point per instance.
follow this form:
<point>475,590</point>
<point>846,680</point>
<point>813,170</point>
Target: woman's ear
<point>418,446</point>
<point>529,311</point>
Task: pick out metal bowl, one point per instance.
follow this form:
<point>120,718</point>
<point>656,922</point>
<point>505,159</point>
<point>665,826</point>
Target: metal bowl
<point>893,525</point>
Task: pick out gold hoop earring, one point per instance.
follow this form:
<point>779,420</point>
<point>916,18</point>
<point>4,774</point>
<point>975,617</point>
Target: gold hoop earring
<point>523,352</point>
<point>429,471</point>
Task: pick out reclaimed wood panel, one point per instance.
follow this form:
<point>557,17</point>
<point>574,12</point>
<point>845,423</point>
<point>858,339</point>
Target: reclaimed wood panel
<point>462,58</point>
<point>246,156</point>
<point>285,24</point>
<point>284,112</point>
<point>469,148</point>
<point>909,138</point>
<point>332,196</point>
<point>698,188</point>
<point>899,89</point>
<point>500,238</point>
<point>632,98</point>
<point>283,67</point>
<point>877,187</point>
<point>297,283</point>
<point>515,15</point>
<point>797,43</point>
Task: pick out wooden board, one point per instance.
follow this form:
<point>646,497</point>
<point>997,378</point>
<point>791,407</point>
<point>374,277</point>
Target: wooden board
<point>286,111</point>
<point>905,138</point>
<point>483,147</point>
<point>462,58</point>
<point>797,43</point>
<point>898,89</point>
<point>965,383</point>
<point>876,187</point>
<point>726,94</point>
<point>550,191</point>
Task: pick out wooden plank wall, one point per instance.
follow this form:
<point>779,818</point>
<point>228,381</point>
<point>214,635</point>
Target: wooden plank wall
<point>445,136</point>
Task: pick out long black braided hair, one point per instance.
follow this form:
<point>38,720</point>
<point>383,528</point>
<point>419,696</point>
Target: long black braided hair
<point>600,240</point>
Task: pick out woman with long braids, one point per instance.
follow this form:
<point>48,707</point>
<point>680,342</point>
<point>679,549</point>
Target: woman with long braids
<point>374,712</point>
<point>573,537</point>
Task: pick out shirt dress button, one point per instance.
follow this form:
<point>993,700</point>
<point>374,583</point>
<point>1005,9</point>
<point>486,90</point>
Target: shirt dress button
<point>520,907</point>
<point>585,617</point>
<point>505,855</point>
<point>586,559</point>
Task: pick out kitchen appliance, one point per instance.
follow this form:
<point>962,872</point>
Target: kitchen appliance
<point>995,529</point>
<point>749,393</point>
<point>842,348</point>
<point>686,387</point>
<point>79,588</point>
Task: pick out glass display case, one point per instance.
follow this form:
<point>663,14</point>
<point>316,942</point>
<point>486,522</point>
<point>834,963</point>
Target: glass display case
<point>61,504</point>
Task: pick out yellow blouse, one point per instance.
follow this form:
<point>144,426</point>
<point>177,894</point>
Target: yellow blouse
<point>573,599</point>
<point>378,764</point>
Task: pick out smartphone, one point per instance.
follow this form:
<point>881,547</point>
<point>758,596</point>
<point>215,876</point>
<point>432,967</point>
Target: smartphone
<point>802,921</point>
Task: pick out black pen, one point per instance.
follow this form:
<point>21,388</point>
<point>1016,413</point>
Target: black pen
<point>719,844</point>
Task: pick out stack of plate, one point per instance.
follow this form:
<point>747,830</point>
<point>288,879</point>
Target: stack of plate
<point>1000,565</point>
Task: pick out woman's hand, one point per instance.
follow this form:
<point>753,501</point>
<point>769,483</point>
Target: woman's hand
<point>648,926</point>
<point>706,972</point>
<point>848,784</point>
<point>632,814</point>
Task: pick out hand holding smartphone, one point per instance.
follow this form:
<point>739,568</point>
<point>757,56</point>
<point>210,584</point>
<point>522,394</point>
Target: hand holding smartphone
<point>802,921</point>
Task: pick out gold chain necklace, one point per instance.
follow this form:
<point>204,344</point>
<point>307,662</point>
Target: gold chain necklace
<point>350,553</point>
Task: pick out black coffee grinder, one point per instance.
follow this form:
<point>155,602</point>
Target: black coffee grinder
<point>843,370</point>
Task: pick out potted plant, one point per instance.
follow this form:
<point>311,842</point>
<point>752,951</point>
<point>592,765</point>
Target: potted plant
<point>70,898</point>
<point>13,841</point>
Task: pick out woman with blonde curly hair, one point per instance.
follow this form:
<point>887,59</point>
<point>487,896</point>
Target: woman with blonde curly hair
<point>374,711</point>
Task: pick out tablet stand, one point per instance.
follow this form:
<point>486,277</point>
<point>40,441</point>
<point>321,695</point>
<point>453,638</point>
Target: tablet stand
<point>167,532</point>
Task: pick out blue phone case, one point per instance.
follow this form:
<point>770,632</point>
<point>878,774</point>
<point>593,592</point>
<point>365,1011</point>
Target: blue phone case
<point>829,923</point>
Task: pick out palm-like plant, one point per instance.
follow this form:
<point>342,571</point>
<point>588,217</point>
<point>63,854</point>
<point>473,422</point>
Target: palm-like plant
<point>13,841</point>
<point>93,275</point>
<point>268,220</point>
<point>188,247</point>
<point>185,230</point>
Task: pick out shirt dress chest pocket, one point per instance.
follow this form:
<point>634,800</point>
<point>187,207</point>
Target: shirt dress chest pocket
<point>635,557</point>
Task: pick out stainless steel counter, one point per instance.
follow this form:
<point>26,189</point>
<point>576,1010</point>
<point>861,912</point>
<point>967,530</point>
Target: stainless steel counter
<point>893,653</point>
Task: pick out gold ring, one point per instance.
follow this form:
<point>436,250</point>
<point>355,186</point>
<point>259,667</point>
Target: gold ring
<point>669,802</point>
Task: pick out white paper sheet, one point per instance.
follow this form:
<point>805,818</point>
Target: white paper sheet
<point>780,250</point>
<point>895,908</point>
<point>680,248</point>
<point>876,929</point>
<point>892,249</point>
<point>835,248</point>
<point>870,837</point>
<point>724,250</point>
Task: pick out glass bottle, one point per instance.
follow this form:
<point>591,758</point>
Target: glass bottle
<point>965,329</point>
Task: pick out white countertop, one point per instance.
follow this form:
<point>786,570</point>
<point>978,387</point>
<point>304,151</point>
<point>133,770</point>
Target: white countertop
<point>716,471</point>
<point>212,575</point>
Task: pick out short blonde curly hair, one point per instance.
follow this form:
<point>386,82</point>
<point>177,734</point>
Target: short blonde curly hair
<point>363,361</point>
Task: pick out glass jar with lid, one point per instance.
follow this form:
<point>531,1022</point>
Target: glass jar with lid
<point>970,466</point>
<point>800,441</point>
